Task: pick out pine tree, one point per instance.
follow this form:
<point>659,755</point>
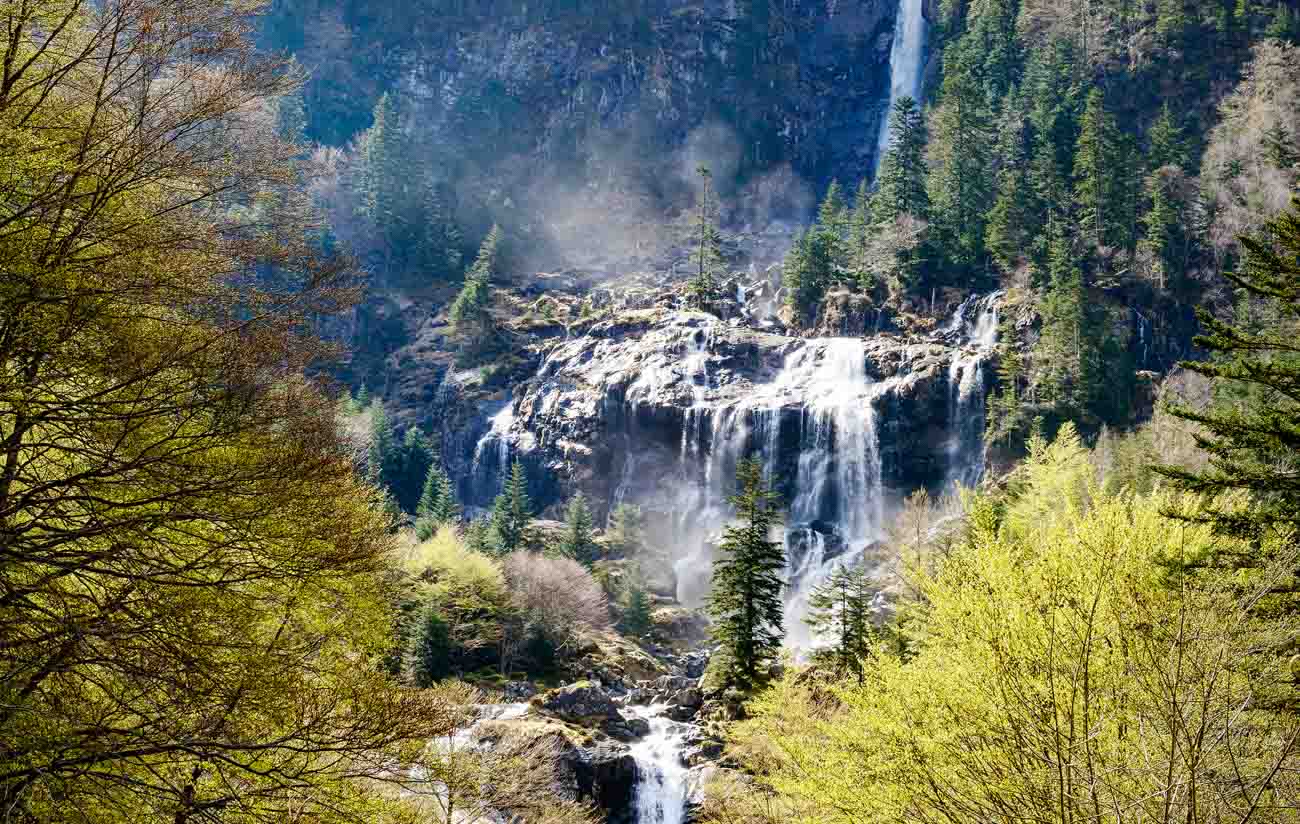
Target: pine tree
<point>745,602</point>
<point>1099,174</point>
<point>961,182</point>
<point>1253,439</point>
<point>1165,144</point>
<point>903,171</point>
<point>703,288</point>
<point>1067,356</point>
<point>626,530</point>
<point>807,273</point>
<point>840,609</point>
<point>384,456</point>
<point>480,537</point>
<point>469,315</point>
<point>579,541</point>
<point>512,512</point>
<point>437,504</point>
<point>636,609</point>
<point>860,233</point>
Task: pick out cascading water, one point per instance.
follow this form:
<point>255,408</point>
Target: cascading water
<point>661,783</point>
<point>837,488</point>
<point>975,326</point>
<point>904,64</point>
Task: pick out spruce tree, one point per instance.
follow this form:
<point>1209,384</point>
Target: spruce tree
<point>1253,435</point>
<point>1099,175</point>
<point>469,315</point>
<point>579,536</point>
<point>636,609</point>
<point>745,602</point>
<point>903,171</point>
<point>840,609</point>
<point>512,511</point>
<point>626,529</point>
<point>703,289</point>
<point>437,504</point>
<point>860,234</point>
<point>961,182</point>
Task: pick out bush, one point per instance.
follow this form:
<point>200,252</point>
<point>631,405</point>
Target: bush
<point>556,600</point>
<point>460,604</point>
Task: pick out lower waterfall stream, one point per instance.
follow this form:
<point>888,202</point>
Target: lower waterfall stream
<point>661,780</point>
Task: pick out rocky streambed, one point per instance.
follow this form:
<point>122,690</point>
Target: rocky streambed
<point>639,750</point>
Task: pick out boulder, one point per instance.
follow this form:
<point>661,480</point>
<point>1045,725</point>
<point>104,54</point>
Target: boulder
<point>583,703</point>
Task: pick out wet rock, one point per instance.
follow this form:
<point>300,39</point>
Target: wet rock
<point>518,690</point>
<point>583,703</point>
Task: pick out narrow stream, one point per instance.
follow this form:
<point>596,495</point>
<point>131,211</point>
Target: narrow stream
<point>661,788</point>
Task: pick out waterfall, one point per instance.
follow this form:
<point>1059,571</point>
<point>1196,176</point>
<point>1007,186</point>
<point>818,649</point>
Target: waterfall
<point>661,785</point>
<point>904,65</point>
<point>487,476</point>
<point>975,327</point>
<point>837,488</point>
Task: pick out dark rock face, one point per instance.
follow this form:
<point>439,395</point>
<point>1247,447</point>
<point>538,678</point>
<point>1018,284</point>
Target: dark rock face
<point>651,404</point>
<point>524,90</point>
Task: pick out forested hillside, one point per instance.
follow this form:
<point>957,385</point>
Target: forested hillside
<point>649,411</point>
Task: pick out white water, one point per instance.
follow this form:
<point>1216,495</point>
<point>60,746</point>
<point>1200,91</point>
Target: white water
<point>661,778</point>
<point>823,386</point>
<point>975,325</point>
<point>904,65</point>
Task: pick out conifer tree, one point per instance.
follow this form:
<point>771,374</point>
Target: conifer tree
<point>961,182</point>
<point>437,504</point>
<point>512,511</point>
<point>840,609</point>
<point>860,233</point>
<point>745,602</point>
<point>636,609</point>
<point>1253,440</point>
<point>702,290</point>
<point>579,537</point>
<point>903,171</point>
<point>1099,175</point>
<point>469,315</point>
<point>384,457</point>
<point>626,529</point>
<point>1067,355</point>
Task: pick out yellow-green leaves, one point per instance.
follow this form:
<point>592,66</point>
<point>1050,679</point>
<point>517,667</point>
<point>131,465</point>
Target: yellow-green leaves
<point>1067,671</point>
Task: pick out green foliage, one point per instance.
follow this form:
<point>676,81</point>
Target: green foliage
<point>437,506</point>
<point>1050,679</point>
<point>636,610</point>
<point>745,602</point>
<point>703,288</point>
<point>470,313</point>
<point>903,171</point>
<point>579,541</point>
<point>1253,435</point>
<point>626,533</point>
<point>839,609</point>
<point>511,512</point>
<point>961,182</point>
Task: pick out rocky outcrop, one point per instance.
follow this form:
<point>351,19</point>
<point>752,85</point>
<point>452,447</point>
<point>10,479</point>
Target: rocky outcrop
<point>656,406</point>
<point>587,704</point>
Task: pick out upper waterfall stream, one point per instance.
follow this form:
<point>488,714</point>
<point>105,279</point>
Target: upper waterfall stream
<point>904,65</point>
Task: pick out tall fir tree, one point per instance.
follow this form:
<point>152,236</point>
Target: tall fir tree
<point>626,533</point>
<point>470,313</point>
<point>703,288</point>
<point>1099,172</point>
<point>840,612</point>
<point>745,601</point>
<point>636,620</point>
<point>1252,435</point>
<point>512,512</point>
<point>900,186</point>
<point>579,542</point>
<point>437,504</point>
<point>961,180</point>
